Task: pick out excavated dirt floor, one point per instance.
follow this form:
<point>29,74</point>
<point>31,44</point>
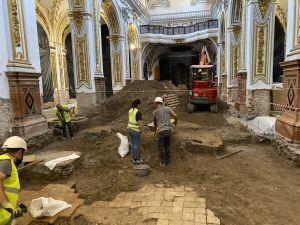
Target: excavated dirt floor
<point>255,186</point>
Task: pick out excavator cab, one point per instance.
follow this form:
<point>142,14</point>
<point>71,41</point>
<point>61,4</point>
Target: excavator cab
<point>201,88</point>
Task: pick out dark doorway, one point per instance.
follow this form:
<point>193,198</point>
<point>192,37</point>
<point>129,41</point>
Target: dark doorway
<point>46,68</point>
<point>106,60</point>
<point>279,36</point>
<point>70,66</point>
<point>180,74</point>
<point>145,70</point>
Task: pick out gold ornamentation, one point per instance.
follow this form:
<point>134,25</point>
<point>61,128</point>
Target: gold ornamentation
<point>133,34</point>
<point>261,44</point>
<point>281,16</point>
<point>54,73</point>
<point>15,20</point>
<point>66,73</point>
<point>117,68</point>
<point>263,5</point>
<point>115,41</point>
<point>244,37</point>
<point>236,52</point>
<point>96,33</point>
<point>78,16</point>
<point>237,10</point>
<point>112,16</point>
<point>82,64</point>
<point>126,51</point>
<point>40,14</point>
<point>135,70</point>
<point>236,31</point>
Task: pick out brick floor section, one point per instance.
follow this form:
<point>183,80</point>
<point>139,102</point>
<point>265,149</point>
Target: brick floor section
<point>169,206</point>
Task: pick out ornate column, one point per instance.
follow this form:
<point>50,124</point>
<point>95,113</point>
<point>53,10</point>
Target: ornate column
<point>55,72</point>
<point>64,95</point>
<point>240,104</point>
<point>288,124</point>
<point>87,63</point>
<point>259,47</point>
<point>224,63</point>
<point>117,42</point>
<point>20,80</point>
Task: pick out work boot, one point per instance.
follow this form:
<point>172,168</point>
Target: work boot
<point>64,138</point>
<point>162,164</point>
<point>138,161</point>
<point>168,163</point>
<point>72,137</point>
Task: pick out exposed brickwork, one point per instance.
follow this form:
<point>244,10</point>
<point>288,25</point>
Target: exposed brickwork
<point>240,104</point>
<point>261,108</point>
<point>5,118</point>
<point>232,94</point>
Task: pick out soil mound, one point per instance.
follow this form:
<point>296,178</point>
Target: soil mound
<point>115,109</point>
<point>117,106</point>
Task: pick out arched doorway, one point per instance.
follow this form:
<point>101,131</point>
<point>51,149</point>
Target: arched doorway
<point>279,52</point>
<point>46,68</point>
<point>106,60</point>
<point>70,66</point>
<point>145,71</point>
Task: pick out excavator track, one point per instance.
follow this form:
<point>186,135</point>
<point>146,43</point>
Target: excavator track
<point>214,108</point>
<point>190,108</point>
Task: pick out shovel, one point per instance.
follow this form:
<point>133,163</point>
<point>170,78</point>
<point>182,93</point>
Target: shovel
<point>180,146</point>
<point>217,157</point>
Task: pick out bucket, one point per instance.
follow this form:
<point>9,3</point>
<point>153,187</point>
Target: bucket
<point>141,170</point>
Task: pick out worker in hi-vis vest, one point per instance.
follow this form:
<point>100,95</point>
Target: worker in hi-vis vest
<point>14,148</point>
<point>62,112</point>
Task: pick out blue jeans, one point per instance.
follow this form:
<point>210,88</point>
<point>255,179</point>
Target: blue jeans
<point>135,142</point>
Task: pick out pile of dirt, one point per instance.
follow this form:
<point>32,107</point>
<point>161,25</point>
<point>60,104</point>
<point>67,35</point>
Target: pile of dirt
<point>117,106</point>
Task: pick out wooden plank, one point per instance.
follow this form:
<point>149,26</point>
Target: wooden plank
<point>175,104</point>
<point>172,102</point>
<point>28,158</point>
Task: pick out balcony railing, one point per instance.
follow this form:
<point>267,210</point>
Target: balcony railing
<point>181,16</point>
<point>158,29</point>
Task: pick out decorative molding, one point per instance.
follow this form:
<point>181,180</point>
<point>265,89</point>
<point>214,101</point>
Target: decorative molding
<point>281,16</point>
<point>54,72</point>
<point>263,6</point>
<point>17,35</point>
<point>117,68</point>
<point>196,2</point>
<point>78,16</point>
<point>66,73</point>
<point>40,13</point>
<point>234,65</point>
<point>82,63</point>
<point>261,46</point>
<point>126,51</point>
<point>111,16</point>
<point>243,49</point>
<point>115,40</point>
<point>133,34</point>
<point>237,32</point>
<point>96,36</point>
<point>135,70</point>
<point>161,3</point>
<point>180,16</point>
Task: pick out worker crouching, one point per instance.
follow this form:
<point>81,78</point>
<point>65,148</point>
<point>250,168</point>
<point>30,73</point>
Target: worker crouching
<point>62,112</point>
<point>14,148</point>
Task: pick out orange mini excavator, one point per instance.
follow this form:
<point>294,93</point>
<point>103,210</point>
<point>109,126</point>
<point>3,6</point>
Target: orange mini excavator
<point>201,84</point>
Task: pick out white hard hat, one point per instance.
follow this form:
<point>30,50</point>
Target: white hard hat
<point>158,99</point>
<point>15,142</point>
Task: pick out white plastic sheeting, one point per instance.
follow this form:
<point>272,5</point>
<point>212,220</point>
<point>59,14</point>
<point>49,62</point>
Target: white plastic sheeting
<point>264,123</point>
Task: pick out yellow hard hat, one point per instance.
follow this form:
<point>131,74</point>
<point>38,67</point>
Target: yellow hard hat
<point>15,142</point>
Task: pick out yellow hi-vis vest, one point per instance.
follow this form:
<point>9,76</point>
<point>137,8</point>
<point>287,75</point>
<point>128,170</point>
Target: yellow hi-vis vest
<point>11,188</point>
<point>66,115</point>
<point>132,123</point>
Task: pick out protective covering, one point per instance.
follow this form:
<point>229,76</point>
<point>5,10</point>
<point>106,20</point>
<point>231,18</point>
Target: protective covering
<point>45,65</point>
<point>70,66</point>
<point>264,123</point>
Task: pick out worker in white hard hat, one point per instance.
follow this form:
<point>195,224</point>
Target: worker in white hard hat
<point>13,150</point>
<point>161,117</point>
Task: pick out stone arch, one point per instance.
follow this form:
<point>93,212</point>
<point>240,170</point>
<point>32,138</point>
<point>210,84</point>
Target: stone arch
<point>62,25</point>
<point>112,16</point>
<point>133,34</point>
<point>235,12</point>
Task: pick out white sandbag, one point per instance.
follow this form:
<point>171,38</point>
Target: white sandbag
<point>124,147</point>
<point>41,207</point>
